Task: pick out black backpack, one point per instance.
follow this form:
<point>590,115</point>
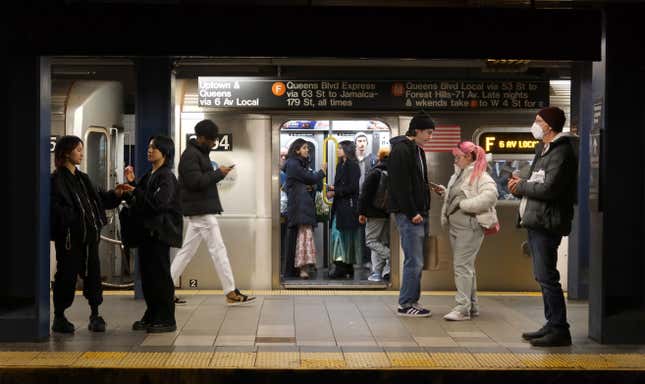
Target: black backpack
<point>381,196</point>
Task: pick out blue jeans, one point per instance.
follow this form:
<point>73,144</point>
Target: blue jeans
<point>412,240</point>
<point>544,251</point>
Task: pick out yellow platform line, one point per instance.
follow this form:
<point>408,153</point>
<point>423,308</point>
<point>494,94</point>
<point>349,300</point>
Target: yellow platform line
<point>320,360</point>
<point>323,292</point>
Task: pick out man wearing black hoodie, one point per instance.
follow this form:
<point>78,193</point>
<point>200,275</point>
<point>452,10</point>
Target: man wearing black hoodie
<point>410,203</point>
<point>546,211</point>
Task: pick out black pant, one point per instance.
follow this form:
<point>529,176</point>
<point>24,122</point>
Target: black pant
<point>544,250</point>
<point>80,260</point>
<point>289,251</point>
<point>158,288</point>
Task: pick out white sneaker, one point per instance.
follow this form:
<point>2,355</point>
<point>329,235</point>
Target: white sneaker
<point>456,316</point>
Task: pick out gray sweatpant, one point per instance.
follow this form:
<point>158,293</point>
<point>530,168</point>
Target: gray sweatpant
<point>377,239</point>
<point>466,236</point>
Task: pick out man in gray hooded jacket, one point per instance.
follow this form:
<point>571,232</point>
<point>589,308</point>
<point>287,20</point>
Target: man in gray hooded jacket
<point>546,211</point>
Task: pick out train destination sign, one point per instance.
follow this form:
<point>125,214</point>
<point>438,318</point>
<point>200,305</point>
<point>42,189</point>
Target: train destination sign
<point>508,143</point>
<point>264,94</point>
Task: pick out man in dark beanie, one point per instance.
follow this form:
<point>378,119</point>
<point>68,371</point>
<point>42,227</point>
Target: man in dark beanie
<point>546,211</point>
<point>410,203</point>
<point>200,205</point>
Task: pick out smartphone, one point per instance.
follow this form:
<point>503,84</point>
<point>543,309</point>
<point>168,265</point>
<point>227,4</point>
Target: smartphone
<point>232,165</point>
<point>434,185</point>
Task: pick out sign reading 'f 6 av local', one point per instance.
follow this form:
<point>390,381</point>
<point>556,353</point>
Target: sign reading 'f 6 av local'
<point>268,94</point>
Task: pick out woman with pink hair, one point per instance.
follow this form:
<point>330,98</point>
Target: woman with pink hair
<point>468,211</point>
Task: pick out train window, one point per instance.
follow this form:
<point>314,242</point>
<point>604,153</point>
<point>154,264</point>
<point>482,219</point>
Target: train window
<point>96,156</point>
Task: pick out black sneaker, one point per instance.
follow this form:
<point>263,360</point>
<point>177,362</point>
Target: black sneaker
<point>62,325</point>
<point>97,324</point>
<point>179,301</point>
<point>536,334</point>
<point>413,311</point>
<point>161,328</point>
<point>140,325</point>
<point>237,298</point>
<point>554,338</point>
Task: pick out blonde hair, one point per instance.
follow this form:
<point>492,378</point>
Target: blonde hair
<point>383,152</point>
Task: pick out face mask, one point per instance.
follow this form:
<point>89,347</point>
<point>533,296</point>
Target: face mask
<point>536,130</point>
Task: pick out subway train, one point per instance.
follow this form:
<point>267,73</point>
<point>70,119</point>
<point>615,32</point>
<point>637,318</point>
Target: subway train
<point>251,223</point>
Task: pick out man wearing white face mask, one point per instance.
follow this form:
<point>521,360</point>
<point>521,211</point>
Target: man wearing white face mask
<point>546,211</point>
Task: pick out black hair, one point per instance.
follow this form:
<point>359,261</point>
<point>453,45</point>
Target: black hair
<point>166,146</point>
<point>349,148</point>
<point>64,146</point>
<point>295,147</point>
<point>206,128</point>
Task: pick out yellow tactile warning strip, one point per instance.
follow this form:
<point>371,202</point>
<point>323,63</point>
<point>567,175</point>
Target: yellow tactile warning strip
<point>277,360</point>
<point>189,360</point>
<point>17,358</point>
<point>55,359</point>
<point>410,360</point>
<point>455,360</point>
<point>233,360</point>
<point>100,359</point>
<point>322,360</point>
<point>626,360</point>
<point>367,360</point>
<point>498,360</point>
<point>321,292</point>
<point>145,359</point>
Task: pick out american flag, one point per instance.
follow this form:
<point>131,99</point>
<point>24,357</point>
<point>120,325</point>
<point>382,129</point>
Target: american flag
<point>444,139</point>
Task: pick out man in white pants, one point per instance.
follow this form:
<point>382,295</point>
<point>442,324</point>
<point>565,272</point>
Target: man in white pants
<point>200,203</point>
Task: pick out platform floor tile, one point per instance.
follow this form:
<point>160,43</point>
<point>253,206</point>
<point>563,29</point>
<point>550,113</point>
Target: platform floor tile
<point>624,360</point>
<point>55,359</point>
<point>498,360</point>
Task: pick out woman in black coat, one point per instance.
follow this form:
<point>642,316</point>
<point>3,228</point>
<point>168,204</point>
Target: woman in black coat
<point>77,216</point>
<point>156,202</point>
<point>346,241</point>
<point>301,210</point>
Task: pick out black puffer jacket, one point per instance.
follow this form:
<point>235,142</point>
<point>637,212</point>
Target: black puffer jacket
<point>549,205</point>
<point>67,214</point>
<point>345,206</point>
<point>156,202</point>
<point>409,190</point>
<point>370,186</point>
<point>301,209</point>
<point>198,180</point>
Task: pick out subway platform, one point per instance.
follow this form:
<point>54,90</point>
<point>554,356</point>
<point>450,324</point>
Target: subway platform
<point>320,337</point>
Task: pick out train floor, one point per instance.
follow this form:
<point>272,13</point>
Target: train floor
<point>296,333</point>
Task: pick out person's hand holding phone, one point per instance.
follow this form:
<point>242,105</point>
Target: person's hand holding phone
<point>226,169</point>
<point>437,188</point>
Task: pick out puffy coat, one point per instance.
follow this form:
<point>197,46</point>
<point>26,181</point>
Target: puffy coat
<point>301,209</point>
<point>345,206</point>
<point>481,197</point>
<point>370,187</point>
<point>409,190</point>
<point>549,204</point>
<point>67,214</point>
<point>156,202</point>
<point>198,181</point>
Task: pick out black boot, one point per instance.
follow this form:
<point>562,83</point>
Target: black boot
<point>62,325</point>
<point>536,334</point>
<point>97,324</point>
<point>556,337</point>
<point>140,325</point>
